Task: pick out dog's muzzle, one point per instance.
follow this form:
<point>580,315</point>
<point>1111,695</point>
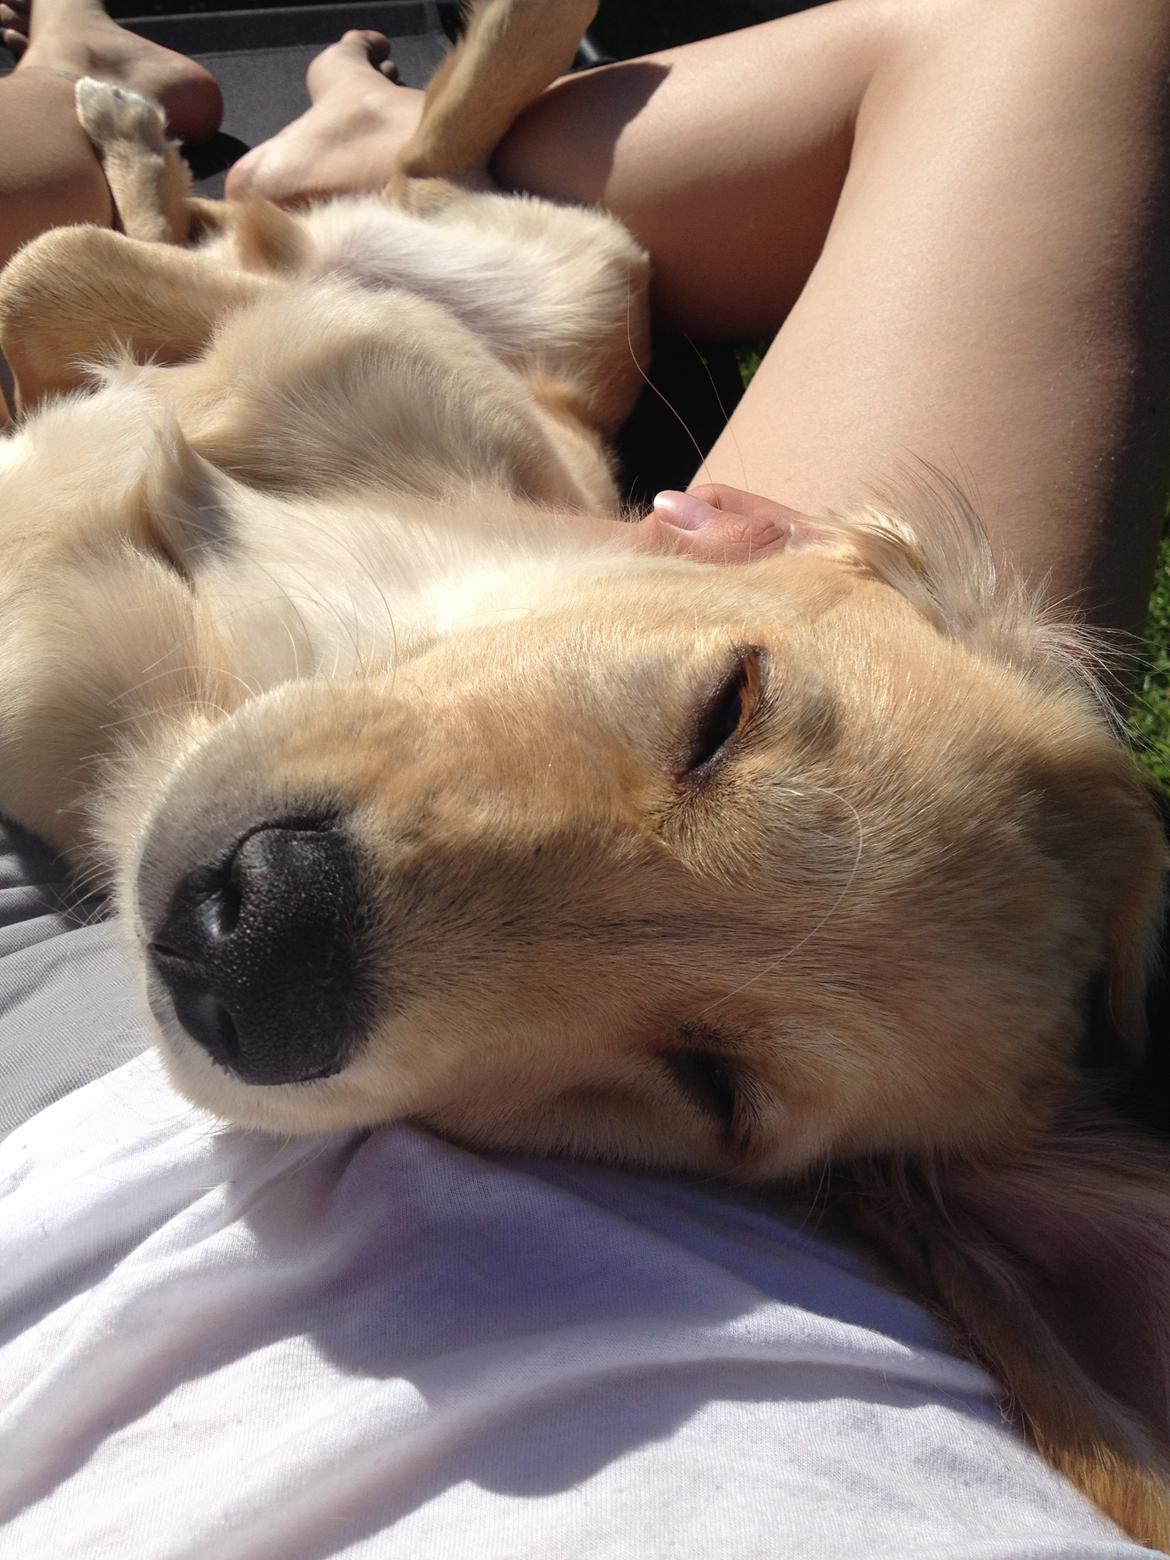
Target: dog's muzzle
<point>262,952</point>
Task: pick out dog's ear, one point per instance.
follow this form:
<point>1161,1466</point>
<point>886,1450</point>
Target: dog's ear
<point>927,542</point>
<point>929,545</point>
<point>1098,816</point>
<point>1052,1270</point>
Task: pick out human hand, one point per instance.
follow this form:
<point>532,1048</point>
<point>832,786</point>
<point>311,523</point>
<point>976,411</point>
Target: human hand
<point>719,524</point>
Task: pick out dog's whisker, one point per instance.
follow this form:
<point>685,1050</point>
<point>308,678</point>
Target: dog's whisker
<point>188,706</point>
<point>193,669</point>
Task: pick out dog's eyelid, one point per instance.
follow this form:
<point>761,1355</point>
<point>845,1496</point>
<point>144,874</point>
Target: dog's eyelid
<point>714,1083</point>
<point>725,714</point>
<point>706,1082</point>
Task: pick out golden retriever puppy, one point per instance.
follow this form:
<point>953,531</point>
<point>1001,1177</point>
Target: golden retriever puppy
<point>421,794</point>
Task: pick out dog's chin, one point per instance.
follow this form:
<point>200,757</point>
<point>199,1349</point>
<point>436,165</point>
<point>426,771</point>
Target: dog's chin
<point>341,1102</point>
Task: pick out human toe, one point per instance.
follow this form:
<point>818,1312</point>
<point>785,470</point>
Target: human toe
<point>354,53</point>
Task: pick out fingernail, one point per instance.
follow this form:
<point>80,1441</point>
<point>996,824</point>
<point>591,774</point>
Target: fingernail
<point>683,510</point>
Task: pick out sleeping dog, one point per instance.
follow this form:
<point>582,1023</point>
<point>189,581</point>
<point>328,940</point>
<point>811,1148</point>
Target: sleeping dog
<point>422,791</point>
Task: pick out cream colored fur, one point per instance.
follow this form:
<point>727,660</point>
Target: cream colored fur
<point>320,539</point>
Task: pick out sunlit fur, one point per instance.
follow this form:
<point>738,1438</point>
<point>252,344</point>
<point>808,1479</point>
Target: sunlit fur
<point>338,560</point>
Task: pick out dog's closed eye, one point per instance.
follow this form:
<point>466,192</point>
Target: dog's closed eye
<point>724,715</point>
<point>707,1082</point>
<point>715,1081</point>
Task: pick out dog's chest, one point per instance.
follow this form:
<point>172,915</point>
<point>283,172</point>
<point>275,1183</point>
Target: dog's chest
<point>299,593</point>
<point>496,287</point>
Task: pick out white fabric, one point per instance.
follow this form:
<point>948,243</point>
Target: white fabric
<point>215,1345</point>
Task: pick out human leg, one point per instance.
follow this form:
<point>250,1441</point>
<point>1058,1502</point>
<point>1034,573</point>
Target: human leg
<point>637,137</point>
<point>49,175</point>
<point>959,214</point>
<point>999,315</point>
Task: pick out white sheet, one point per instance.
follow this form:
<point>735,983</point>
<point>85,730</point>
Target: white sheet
<point>215,1346</point>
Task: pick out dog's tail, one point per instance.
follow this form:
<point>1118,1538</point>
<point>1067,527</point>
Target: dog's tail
<point>510,51</point>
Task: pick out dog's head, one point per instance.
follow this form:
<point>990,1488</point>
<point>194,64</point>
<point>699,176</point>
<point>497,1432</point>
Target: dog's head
<point>736,869</point>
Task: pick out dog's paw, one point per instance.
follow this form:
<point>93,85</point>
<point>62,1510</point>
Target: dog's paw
<point>110,114</point>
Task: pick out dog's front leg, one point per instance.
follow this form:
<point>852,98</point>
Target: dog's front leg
<point>148,179</point>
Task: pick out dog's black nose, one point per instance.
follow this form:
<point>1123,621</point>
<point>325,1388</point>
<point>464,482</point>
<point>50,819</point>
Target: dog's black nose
<point>261,951</point>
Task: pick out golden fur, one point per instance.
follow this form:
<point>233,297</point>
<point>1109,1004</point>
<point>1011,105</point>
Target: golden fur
<point>807,861</point>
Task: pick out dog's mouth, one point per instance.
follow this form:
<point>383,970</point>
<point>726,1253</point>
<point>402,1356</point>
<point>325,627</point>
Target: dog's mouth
<point>262,954</point>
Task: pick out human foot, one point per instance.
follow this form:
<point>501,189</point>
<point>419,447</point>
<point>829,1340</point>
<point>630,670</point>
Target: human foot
<point>348,140</point>
<point>78,38</point>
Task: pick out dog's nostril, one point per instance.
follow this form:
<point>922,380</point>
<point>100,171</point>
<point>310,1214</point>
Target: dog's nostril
<point>212,1019</point>
<point>214,895</point>
<point>220,911</point>
<point>262,952</point>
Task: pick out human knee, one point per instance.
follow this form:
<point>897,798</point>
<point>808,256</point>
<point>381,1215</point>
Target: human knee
<point>1128,25</point>
<point>1056,58</point>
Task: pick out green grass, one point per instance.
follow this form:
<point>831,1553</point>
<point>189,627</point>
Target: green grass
<point>1150,719</point>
